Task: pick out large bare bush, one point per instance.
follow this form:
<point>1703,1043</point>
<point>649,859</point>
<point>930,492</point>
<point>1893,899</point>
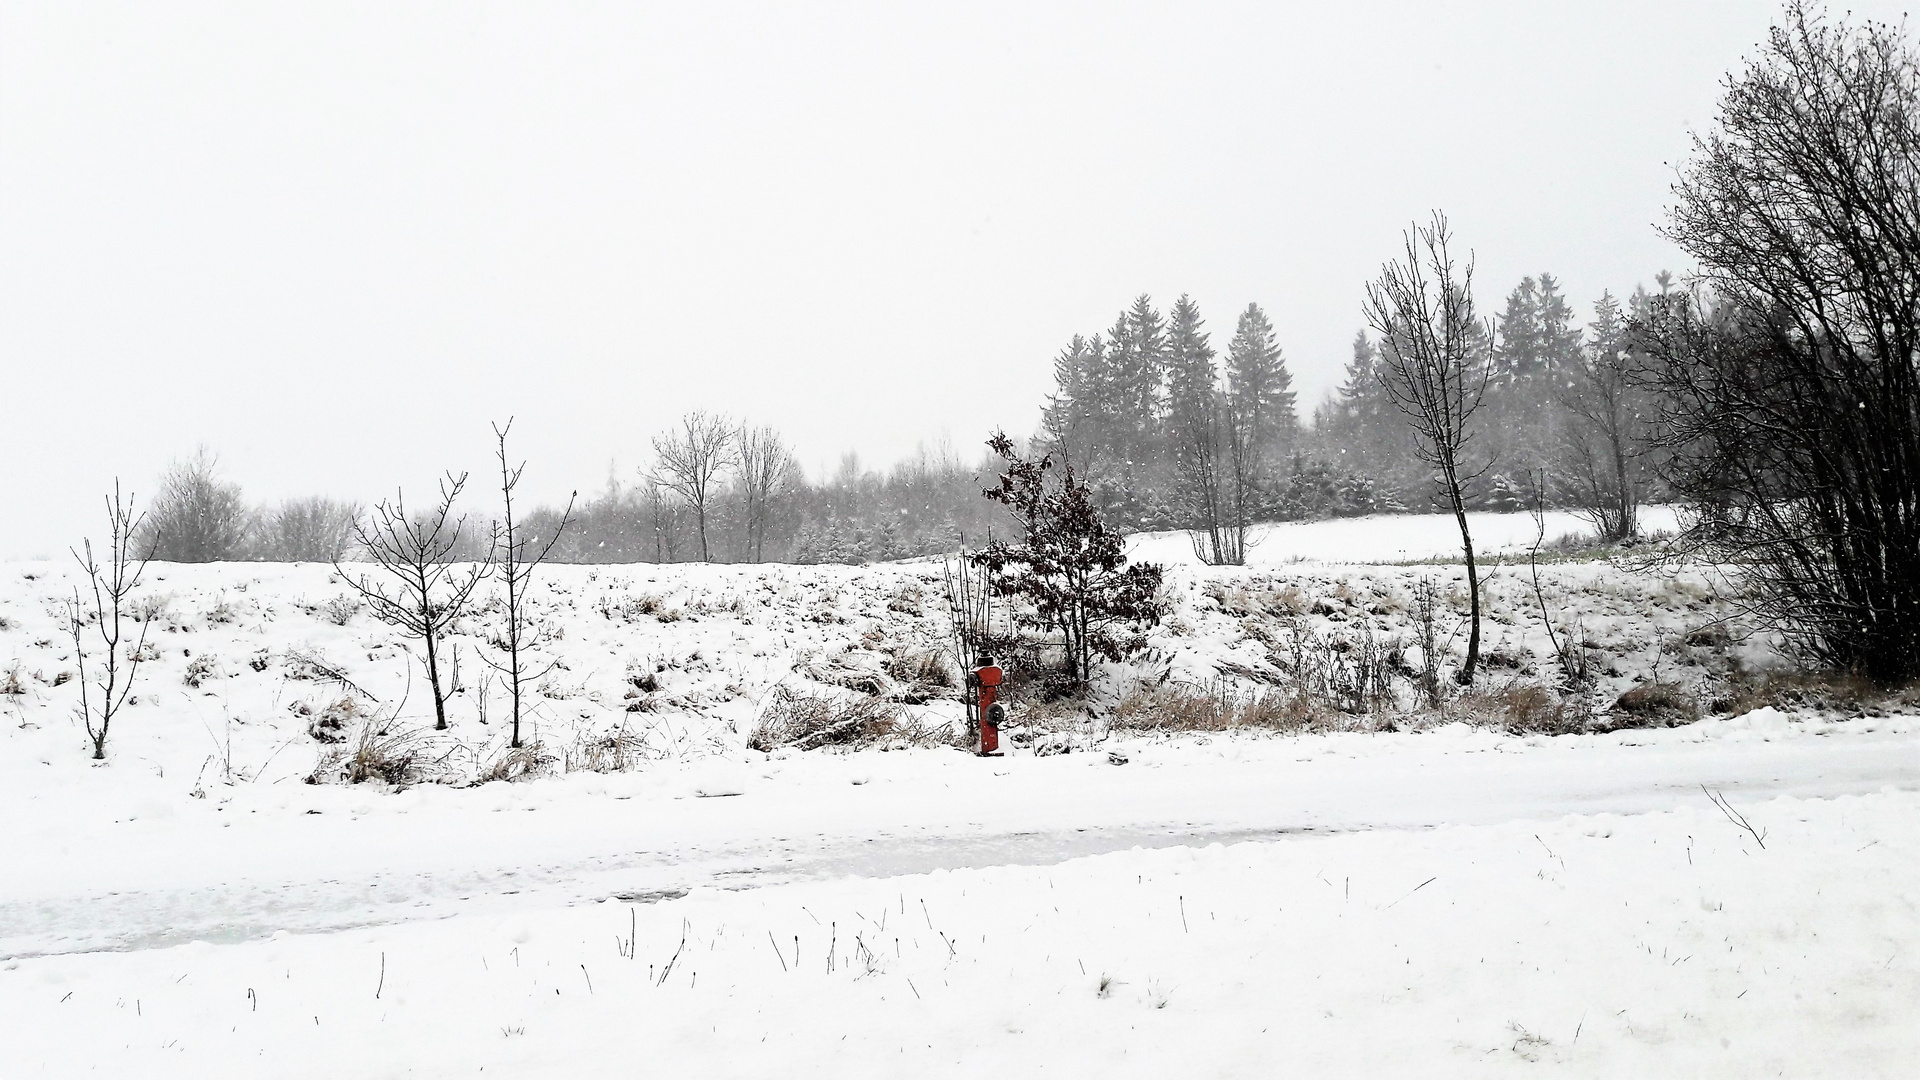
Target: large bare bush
<point>1789,378</point>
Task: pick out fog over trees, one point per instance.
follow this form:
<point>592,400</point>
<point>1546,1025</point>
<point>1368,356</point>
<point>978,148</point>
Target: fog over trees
<point>1774,391</point>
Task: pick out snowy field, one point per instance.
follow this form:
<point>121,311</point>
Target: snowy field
<point>1446,899</point>
<point>1392,538</point>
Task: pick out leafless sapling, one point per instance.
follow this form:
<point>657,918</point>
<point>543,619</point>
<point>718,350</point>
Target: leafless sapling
<point>1568,654</point>
<point>518,554</point>
<point>430,592</point>
<point>1433,365</point>
<point>111,585</point>
<point>969,595</point>
<point>691,459</point>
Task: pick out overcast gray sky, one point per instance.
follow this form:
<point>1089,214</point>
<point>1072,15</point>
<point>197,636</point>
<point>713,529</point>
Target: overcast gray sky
<point>332,241</point>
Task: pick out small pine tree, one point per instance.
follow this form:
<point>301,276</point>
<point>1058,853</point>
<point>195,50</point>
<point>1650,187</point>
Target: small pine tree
<point>1069,566</point>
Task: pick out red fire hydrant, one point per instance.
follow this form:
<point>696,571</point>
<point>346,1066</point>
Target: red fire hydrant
<point>986,680</point>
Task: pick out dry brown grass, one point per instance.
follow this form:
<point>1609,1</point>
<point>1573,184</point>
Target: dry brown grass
<point>523,762</point>
<point>380,754</point>
<point>1825,691</point>
<point>1522,708</point>
<point>619,751</point>
<point>809,721</point>
<point>1184,707</point>
<point>1654,704</point>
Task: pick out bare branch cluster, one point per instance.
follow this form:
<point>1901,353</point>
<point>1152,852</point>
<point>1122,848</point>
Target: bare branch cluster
<point>424,589</point>
<point>1434,353</point>
<point>106,611</point>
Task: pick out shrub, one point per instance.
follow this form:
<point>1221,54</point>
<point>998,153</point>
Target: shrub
<point>1069,567</point>
<point>1655,704</point>
<point>313,529</point>
<point>330,724</point>
<point>617,752</point>
<point>202,668</point>
<point>1827,691</point>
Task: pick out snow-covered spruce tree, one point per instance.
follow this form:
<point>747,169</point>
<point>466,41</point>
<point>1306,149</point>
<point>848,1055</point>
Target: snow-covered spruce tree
<point>1068,565</point>
<point>1077,422</point>
<point>428,592</point>
<point>1261,388</point>
<point>1538,353</point>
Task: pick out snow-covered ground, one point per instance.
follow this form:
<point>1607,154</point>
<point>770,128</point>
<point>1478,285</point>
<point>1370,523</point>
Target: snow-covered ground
<point>1452,900</point>
<point>1387,538</point>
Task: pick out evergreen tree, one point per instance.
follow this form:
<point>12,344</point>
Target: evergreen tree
<point>1211,492</point>
<point>1191,378</point>
<point>1078,421</point>
<point>1261,386</point>
<point>1539,350</point>
<point>1138,361</point>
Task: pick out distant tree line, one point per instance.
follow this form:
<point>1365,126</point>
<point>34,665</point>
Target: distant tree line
<point>1171,435</point>
<point>715,490</point>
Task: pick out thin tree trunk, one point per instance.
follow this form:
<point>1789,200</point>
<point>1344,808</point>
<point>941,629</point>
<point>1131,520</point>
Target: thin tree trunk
<point>433,680</point>
<point>1628,525</point>
<point>1473,584</point>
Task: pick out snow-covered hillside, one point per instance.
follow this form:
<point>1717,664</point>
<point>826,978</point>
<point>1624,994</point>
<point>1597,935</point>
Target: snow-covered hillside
<point>1454,897</point>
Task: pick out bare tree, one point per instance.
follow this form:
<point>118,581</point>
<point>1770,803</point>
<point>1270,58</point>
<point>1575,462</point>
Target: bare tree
<point>518,557</point>
<point>1791,396</point>
<point>763,468</point>
<point>196,517</point>
<point>312,529</point>
<point>1216,457</point>
<point>418,554</point>
<point>691,459</point>
<point>663,519</point>
<point>111,586</point>
<point>1433,364</point>
<point>1604,444</point>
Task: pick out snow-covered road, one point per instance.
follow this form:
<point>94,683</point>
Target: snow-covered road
<point>147,875</point>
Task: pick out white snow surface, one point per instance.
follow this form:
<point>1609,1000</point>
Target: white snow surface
<point>1391,538</point>
<point>1450,901</point>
